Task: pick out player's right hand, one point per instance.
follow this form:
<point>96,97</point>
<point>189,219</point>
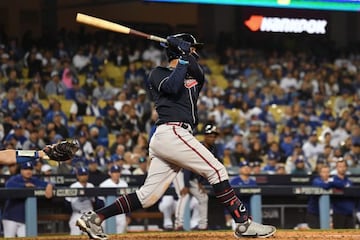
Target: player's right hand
<point>182,45</point>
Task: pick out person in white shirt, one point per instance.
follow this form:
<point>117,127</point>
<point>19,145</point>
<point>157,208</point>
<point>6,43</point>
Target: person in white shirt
<point>338,133</point>
<point>79,205</point>
<point>312,148</point>
<point>114,181</point>
<point>153,54</point>
<point>81,60</point>
<point>288,82</point>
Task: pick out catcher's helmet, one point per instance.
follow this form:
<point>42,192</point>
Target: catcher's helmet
<point>173,52</point>
<point>210,129</point>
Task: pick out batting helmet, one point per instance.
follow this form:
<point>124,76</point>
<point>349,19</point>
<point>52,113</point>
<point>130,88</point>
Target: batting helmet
<point>173,52</point>
<point>210,128</point>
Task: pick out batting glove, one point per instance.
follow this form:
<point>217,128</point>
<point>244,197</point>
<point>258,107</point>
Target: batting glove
<point>182,45</point>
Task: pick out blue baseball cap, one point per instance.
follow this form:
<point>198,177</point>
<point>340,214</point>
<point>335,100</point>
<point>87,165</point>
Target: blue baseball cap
<point>115,168</point>
<point>244,164</point>
<point>82,171</point>
<point>299,160</point>
<point>27,165</point>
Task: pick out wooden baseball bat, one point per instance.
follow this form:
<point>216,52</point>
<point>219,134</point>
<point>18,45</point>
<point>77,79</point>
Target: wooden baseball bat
<point>115,27</point>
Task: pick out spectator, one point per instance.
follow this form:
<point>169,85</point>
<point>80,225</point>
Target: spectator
<point>55,86</point>
<point>270,164</point>
<point>94,109</point>
<point>32,143</point>
<point>60,128</point>
<point>101,157</point>
<point>34,64</point>
<point>101,91</point>
<point>134,78</point>
<point>112,121</point>
<point>89,84</point>
<point>143,109</point>
<point>36,87</point>
<point>352,157</point>
<point>86,148</point>
<point>12,81</point>
<point>312,148</point>
<point>238,155</point>
<point>336,130</point>
<point>73,92</point>
<point>81,60</point>
<point>142,167</point>
<point>55,108</point>
<point>17,135</point>
<point>78,107</point>
<point>326,155</point>
<point>280,169</point>
<point>12,104</point>
<point>301,167</point>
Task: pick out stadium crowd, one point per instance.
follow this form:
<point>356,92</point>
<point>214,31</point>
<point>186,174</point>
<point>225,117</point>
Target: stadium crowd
<point>283,112</point>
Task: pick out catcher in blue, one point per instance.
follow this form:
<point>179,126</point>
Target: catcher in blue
<point>175,90</point>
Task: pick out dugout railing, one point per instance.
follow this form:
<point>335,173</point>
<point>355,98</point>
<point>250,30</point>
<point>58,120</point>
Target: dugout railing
<point>256,197</point>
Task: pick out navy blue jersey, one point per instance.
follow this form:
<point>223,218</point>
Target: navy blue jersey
<point>239,182</point>
<point>342,205</point>
<point>175,92</point>
<point>313,203</point>
<point>15,208</point>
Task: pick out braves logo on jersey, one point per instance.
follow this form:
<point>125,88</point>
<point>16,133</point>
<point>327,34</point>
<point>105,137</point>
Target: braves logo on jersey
<point>189,83</point>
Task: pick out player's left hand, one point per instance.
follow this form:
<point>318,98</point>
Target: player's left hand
<point>62,151</point>
<point>182,45</point>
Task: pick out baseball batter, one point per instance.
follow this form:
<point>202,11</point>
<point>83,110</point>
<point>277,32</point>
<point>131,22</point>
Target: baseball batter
<point>175,90</point>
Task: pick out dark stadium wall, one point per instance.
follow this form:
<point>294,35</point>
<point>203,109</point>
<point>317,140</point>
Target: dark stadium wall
<point>207,21</point>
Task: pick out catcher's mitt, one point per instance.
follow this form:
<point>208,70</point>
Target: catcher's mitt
<point>62,151</point>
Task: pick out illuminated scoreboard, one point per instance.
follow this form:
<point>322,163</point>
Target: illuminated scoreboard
<point>334,5</point>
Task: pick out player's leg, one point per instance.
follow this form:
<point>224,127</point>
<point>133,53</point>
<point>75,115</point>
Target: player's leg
<point>202,207</point>
<point>121,223</point>
<point>181,202</point>
<point>194,156</point>
<point>166,206</point>
<point>10,228</point>
<point>21,230</point>
<point>74,230</point>
<point>195,215</point>
<point>160,175</point>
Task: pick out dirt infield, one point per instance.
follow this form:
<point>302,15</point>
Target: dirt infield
<point>223,235</point>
